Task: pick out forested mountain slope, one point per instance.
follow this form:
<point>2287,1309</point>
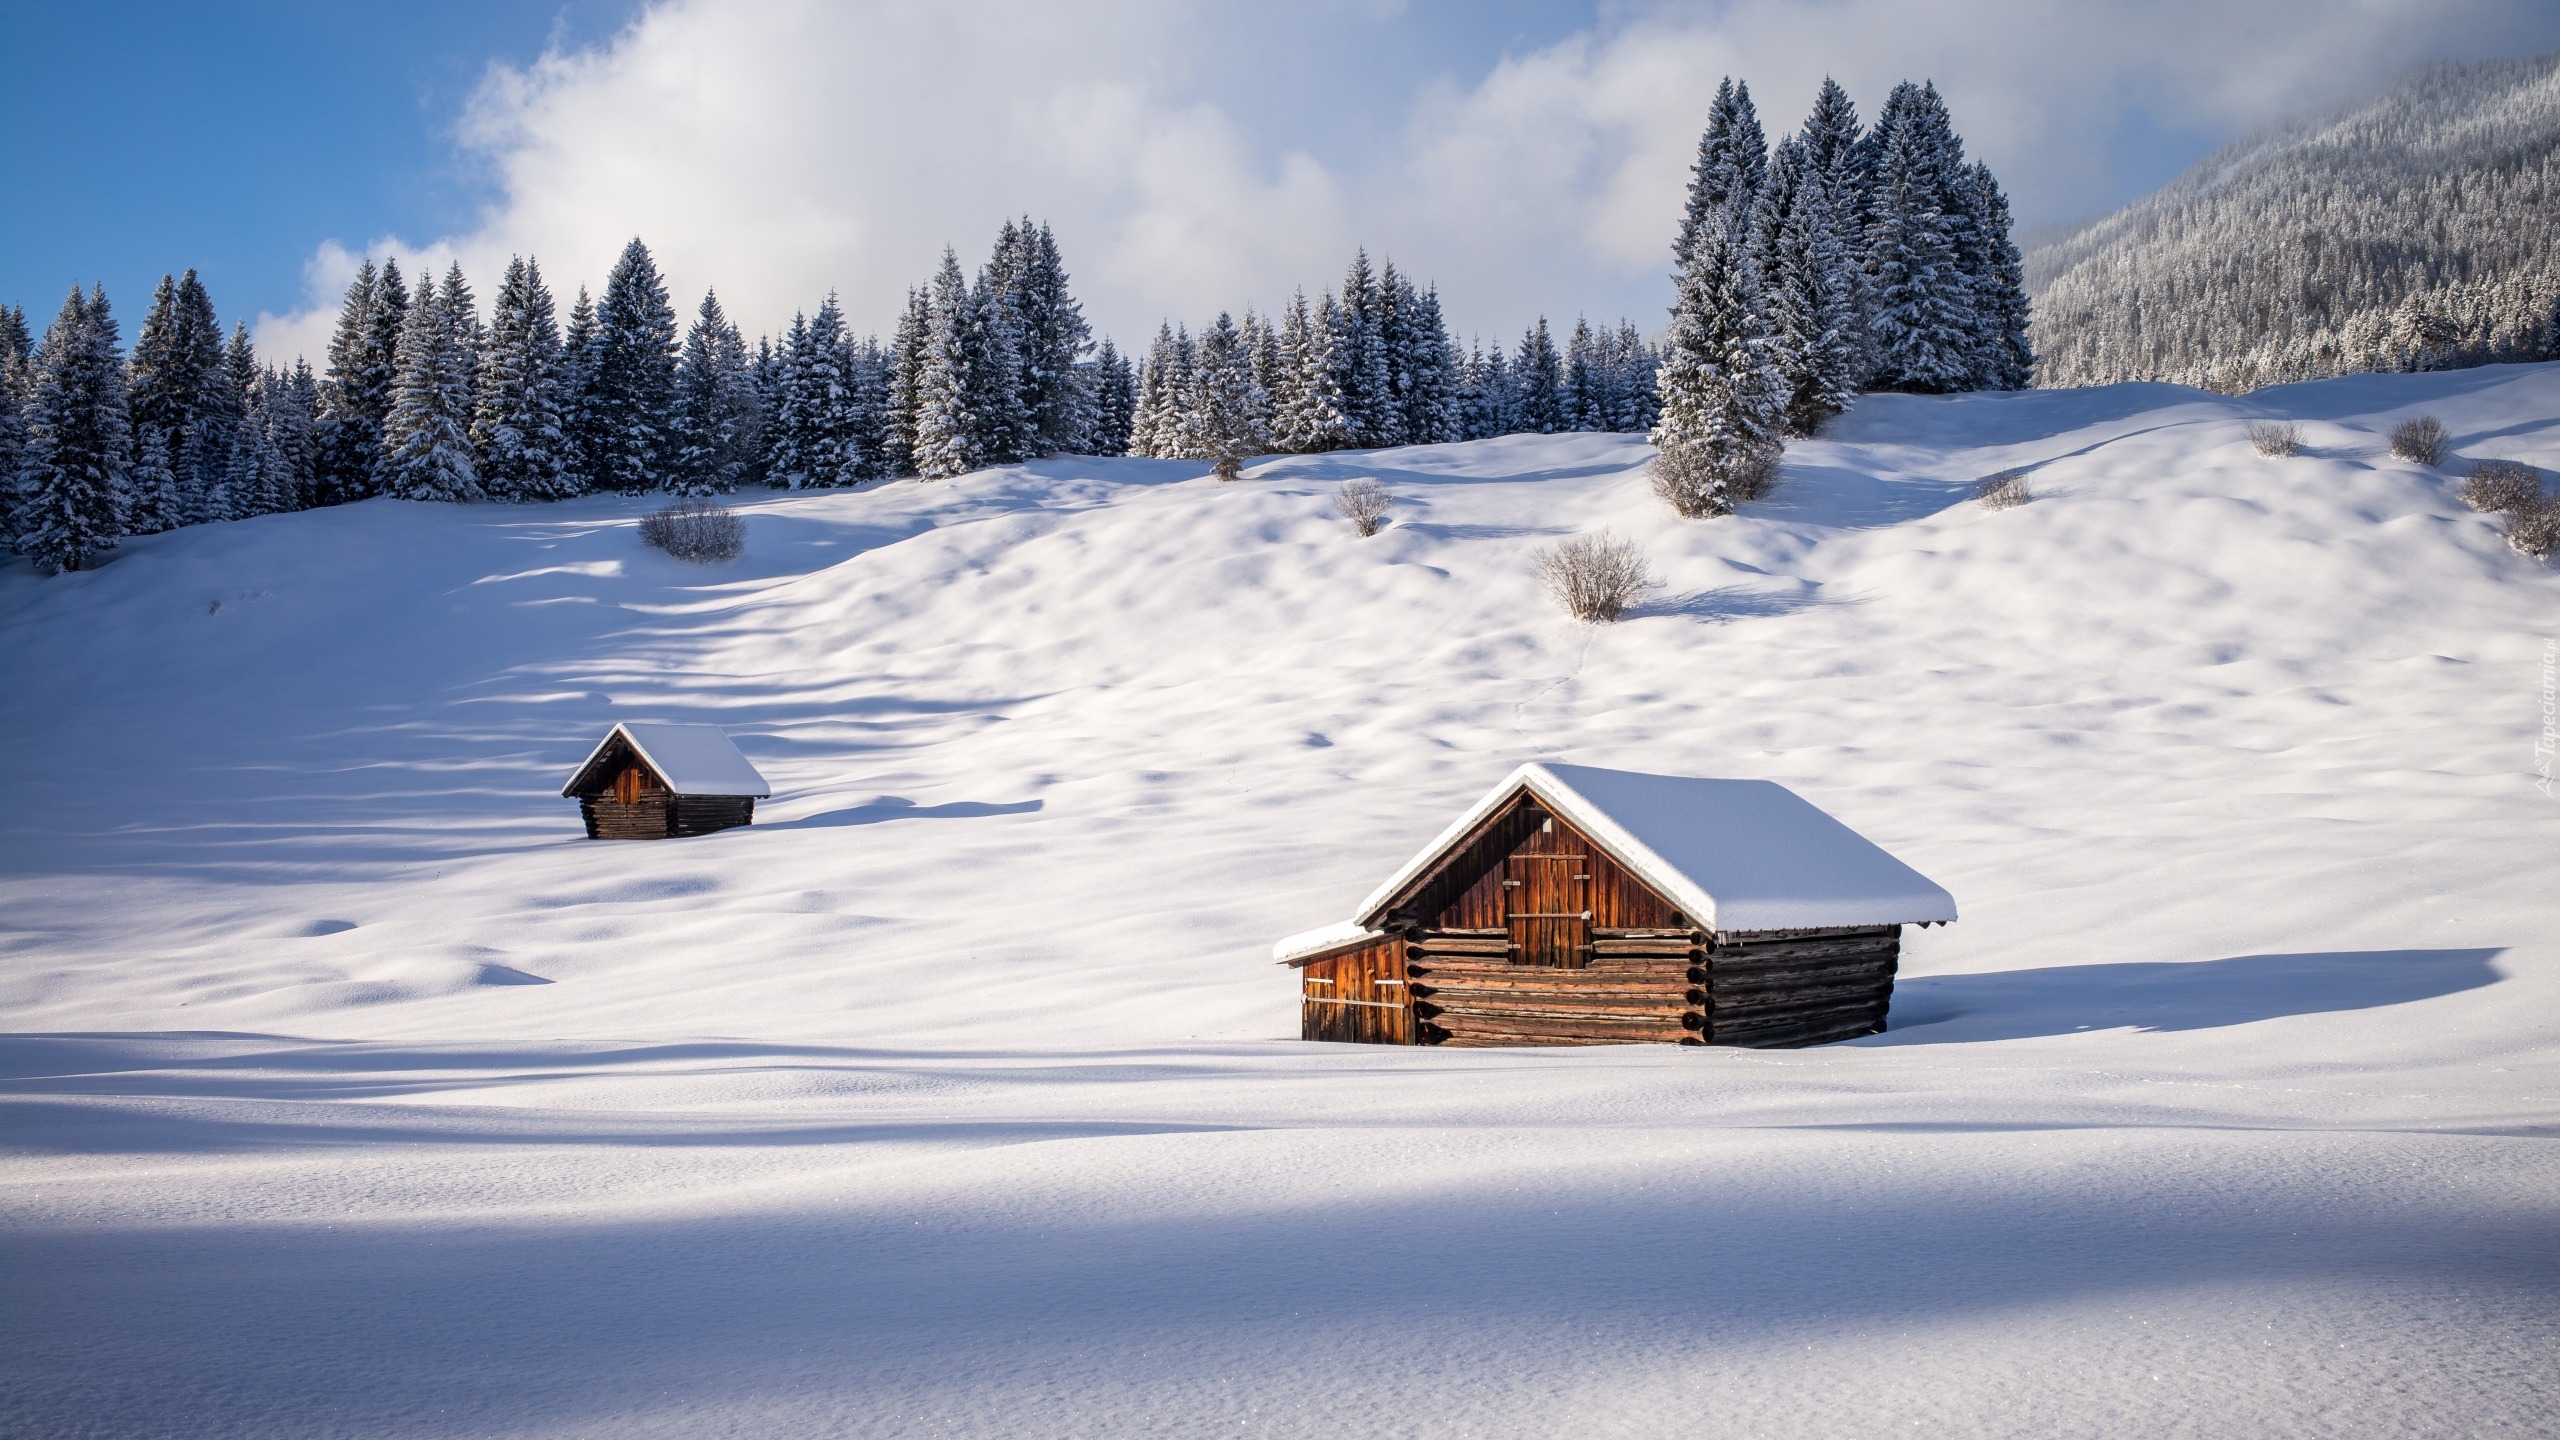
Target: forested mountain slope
<point>2417,230</point>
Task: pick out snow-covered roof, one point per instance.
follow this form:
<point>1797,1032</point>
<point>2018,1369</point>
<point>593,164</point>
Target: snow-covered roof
<point>1732,854</point>
<point>692,759</point>
<point>1341,935</point>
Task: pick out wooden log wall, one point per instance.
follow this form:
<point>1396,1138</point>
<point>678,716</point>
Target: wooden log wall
<point>658,816</point>
<point>1767,989</point>
<point>1775,988</point>
<point>702,814</point>
<point>609,819</point>
<point>1358,996</point>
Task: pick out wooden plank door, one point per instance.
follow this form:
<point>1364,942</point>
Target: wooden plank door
<point>1546,902</point>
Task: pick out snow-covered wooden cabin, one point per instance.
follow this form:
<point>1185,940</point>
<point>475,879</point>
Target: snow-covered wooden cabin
<point>1580,906</point>
<point>652,781</point>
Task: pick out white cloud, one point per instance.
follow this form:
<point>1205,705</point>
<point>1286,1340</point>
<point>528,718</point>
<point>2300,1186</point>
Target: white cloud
<point>783,148</point>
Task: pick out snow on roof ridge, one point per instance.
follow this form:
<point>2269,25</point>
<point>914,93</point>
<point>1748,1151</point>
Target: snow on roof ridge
<point>1796,866</point>
<point>691,759</point>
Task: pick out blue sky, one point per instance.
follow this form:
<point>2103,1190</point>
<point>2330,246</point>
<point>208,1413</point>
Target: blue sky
<point>1194,154</point>
<point>234,137</point>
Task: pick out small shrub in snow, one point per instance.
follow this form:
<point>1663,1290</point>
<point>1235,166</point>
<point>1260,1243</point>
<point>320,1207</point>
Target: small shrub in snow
<point>1596,576</point>
<point>1701,484</point>
<point>1364,503</point>
<point>2275,437</point>
<point>2422,440</point>
<point>2004,490</point>
<point>697,529</point>
<point>2499,486</point>
<point>2534,527</point>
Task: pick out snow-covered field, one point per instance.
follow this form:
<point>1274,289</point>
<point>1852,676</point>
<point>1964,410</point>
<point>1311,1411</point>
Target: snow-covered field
<point>350,1093</point>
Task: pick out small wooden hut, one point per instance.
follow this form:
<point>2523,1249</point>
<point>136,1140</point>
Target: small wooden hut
<point>1581,906</point>
<point>650,782</point>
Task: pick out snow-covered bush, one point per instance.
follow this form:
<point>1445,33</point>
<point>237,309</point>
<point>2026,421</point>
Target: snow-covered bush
<point>2004,490</point>
<point>1364,503</point>
<point>1595,576</point>
<point>2275,437</point>
<point>2422,440</point>
<point>2499,486</point>
<point>697,529</point>
<point>1700,483</point>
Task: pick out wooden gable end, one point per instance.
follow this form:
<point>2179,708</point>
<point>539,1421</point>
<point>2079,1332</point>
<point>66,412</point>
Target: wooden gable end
<point>1467,889</point>
<point>610,773</point>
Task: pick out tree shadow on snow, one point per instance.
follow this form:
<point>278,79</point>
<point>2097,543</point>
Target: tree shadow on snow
<point>1729,603</point>
<point>1849,499</point>
<point>898,807</point>
<point>2172,995</point>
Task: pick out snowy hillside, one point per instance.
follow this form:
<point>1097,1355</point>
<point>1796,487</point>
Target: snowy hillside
<point>2416,230</point>
<point>354,1093</point>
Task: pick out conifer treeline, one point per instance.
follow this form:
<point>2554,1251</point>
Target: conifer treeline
<point>1847,259</point>
<point>1373,366</point>
<point>1850,258</point>
<point>422,400</point>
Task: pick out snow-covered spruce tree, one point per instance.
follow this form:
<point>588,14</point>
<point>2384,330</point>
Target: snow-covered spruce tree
<point>356,392</point>
<point>251,479</point>
<point>79,440</point>
<point>1723,399</point>
<point>239,491</point>
<point>287,401</point>
<point>15,353</point>
<point>715,405</point>
<point>828,445</point>
<point>426,439</point>
<point>1922,323</point>
<point>795,431</point>
<point>519,437</point>
<point>1223,403</point>
<point>873,368</point>
<point>992,379</point>
<point>1586,399</point>
<point>1733,160</point>
<point>580,340</point>
<point>1429,363</point>
<point>469,336</point>
<point>1158,395</point>
<point>1051,337</point>
<point>632,394</point>
<point>1811,306</point>
<point>1537,378</point>
<point>1262,366</point>
<point>176,385</point>
<point>1359,357</point>
<point>899,408</point>
<point>1309,416</point>
<point>2004,358</point>
<point>1831,136</point>
<point>1490,405</point>
<point>151,482</point>
<point>1115,402</point>
<point>1181,433</point>
<point>959,370</point>
<point>1634,363</point>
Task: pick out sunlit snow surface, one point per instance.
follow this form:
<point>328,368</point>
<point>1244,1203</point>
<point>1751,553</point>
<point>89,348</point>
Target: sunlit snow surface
<point>353,1094</point>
